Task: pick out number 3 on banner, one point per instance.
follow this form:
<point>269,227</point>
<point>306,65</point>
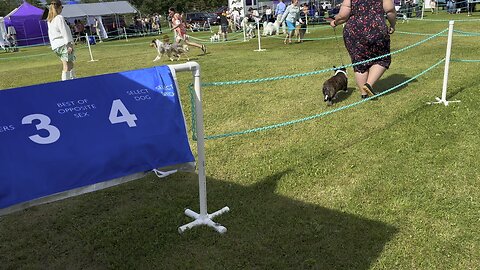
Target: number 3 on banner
<point>53,132</point>
<point>125,116</point>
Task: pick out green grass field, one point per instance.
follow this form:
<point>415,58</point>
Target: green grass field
<point>391,183</point>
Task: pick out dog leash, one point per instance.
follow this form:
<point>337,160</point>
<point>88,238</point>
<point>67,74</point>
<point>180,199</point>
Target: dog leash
<point>338,46</point>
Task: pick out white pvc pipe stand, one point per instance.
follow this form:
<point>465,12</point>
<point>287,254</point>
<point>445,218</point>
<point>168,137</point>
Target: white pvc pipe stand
<point>259,45</point>
<point>203,218</point>
<point>125,32</point>
<point>443,100</point>
<point>244,32</point>
<point>89,49</point>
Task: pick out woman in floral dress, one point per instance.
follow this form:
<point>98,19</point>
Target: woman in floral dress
<point>367,36</point>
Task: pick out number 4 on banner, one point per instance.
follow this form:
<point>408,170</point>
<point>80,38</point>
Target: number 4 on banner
<point>125,115</point>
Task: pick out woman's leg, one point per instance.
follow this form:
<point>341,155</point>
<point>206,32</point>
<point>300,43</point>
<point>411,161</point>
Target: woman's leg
<point>71,71</point>
<point>193,44</point>
<point>65,71</point>
<point>374,73</point>
<point>202,47</point>
<point>361,79</point>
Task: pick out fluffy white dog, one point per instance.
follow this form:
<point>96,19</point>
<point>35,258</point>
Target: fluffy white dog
<point>269,28</point>
<point>215,38</point>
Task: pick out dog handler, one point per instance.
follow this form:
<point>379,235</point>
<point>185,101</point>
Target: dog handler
<point>367,36</point>
<point>291,16</point>
<point>179,27</point>
<point>61,39</point>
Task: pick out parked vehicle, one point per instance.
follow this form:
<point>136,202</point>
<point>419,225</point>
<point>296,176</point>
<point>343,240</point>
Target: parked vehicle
<point>201,18</point>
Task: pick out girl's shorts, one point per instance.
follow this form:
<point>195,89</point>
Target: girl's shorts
<point>62,52</point>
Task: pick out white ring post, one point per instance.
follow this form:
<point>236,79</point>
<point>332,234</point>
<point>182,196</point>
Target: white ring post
<point>258,31</point>
<point>423,10</point>
<point>447,65</point>
<point>125,32</point>
<point>306,23</point>
<point>89,49</point>
<point>244,32</point>
<point>203,218</point>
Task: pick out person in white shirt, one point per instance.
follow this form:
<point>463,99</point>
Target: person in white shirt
<point>61,39</point>
<point>98,29</point>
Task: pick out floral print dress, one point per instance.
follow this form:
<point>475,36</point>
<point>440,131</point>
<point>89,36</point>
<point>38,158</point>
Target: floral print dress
<point>366,34</point>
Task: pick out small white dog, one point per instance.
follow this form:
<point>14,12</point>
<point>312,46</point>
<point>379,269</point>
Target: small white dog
<point>269,28</point>
<point>171,50</point>
<point>215,38</point>
<point>249,28</point>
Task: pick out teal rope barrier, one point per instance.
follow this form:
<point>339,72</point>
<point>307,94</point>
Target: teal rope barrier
<point>320,114</point>
<point>283,37</point>
<point>319,71</point>
<point>474,34</point>
<point>465,60</point>
<point>439,20</point>
<point>415,34</point>
<point>297,75</point>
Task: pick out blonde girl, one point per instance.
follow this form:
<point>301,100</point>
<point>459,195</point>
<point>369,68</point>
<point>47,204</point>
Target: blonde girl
<point>61,39</point>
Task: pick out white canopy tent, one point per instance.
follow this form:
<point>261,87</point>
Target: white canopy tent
<point>97,9</point>
<point>3,32</point>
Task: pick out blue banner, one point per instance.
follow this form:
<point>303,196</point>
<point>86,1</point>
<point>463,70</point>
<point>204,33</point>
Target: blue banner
<point>59,136</point>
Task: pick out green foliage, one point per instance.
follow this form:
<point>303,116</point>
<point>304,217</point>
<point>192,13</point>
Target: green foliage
<point>6,6</point>
<point>144,6</point>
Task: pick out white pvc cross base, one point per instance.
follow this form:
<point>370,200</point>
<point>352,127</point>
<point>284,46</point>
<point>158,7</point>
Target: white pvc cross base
<point>204,220</point>
<point>260,50</point>
<point>442,101</point>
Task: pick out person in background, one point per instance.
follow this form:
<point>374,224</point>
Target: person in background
<point>291,16</point>
<point>224,25</point>
<point>279,10</point>
<point>433,6</point>
<point>181,31</point>
<point>12,32</point>
<point>158,22</point>
<point>409,6</point>
<point>236,19</point>
<point>268,13</point>
<point>303,19</point>
<point>367,36</point>
<point>61,39</point>
<point>79,30</point>
<point>98,29</point>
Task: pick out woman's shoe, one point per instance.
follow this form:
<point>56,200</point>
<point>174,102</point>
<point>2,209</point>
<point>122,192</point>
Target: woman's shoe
<point>368,89</point>
<point>364,96</point>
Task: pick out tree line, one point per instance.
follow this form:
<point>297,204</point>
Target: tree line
<point>144,6</point>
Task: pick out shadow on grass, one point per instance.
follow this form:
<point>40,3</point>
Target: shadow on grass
<point>134,226</point>
<point>343,95</point>
<point>452,93</point>
<point>391,81</point>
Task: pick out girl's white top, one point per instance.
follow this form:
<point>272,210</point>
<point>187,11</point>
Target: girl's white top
<point>58,32</point>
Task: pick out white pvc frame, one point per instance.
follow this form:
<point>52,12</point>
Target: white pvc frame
<point>443,99</point>
<point>202,218</point>
<point>89,49</point>
<point>258,34</point>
